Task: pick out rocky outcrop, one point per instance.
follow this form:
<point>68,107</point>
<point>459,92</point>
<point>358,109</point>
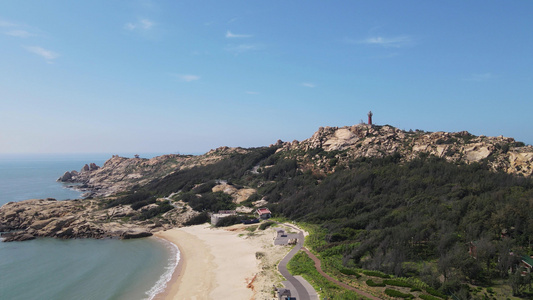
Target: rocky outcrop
<point>66,177</point>
<point>501,153</point>
<point>71,219</point>
<point>120,174</point>
<point>238,195</point>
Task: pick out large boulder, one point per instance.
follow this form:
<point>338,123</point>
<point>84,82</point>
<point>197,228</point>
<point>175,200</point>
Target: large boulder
<point>136,233</point>
<point>66,177</point>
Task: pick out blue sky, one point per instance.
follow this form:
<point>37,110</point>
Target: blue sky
<point>189,76</point>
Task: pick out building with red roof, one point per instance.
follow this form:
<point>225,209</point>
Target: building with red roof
<point>264,213</point>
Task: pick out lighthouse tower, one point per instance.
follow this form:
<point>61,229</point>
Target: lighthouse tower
<point>370,114</point>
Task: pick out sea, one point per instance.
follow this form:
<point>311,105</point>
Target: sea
<point>48,268</point>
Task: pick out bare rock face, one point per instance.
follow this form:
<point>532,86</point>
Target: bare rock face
<point>238,195</point>
<point>363,140</point>
<point>93,167</point>
<point>66,177</point>
<point>135,234</point>
<point>69,219</point>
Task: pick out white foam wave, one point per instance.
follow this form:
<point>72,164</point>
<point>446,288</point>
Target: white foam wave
<point>173,261</point>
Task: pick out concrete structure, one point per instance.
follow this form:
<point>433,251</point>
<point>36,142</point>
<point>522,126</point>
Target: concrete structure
<point>220,215</point>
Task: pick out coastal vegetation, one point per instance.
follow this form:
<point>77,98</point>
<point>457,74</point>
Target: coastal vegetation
<point>390,217</point>
<point>412,219</point>
<point>417,219</point>
<point>438,222</point>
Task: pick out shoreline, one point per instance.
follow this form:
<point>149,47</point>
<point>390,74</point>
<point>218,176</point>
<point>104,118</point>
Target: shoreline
<point>170,271</point>
<point>187,282</point>
<point>222,263</point>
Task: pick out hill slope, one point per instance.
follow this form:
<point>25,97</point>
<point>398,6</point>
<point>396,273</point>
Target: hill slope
<point>405,203</point>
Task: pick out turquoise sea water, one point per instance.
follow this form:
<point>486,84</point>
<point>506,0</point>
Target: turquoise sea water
<point>73,269</point>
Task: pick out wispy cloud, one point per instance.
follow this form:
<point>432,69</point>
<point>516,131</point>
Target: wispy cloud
<point>17,30</point>
<point>242,48</point>
<point>188,77</point>
<point>48,55</point>
<point>308,84</point>
<point>386,42</point>
<point>479,77</point>
<point>231,35</point>
<point>19,33</point>
<point>6,24</point>
<point>142,24</point>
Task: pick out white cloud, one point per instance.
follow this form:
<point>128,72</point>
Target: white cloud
<point>6,24</point>
<point>386,42</point>
<point>142,24</point>
<point>19,33</point>
<point>478,77</point>
<point>308,84</point>
<point>146,24</point>
<point>231,35</point>
<point>188,77</point>
<point>46,54</point>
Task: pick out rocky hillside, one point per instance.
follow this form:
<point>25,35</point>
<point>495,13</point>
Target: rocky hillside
<point>132,197</point>
<point>343,143</point>
<point>119,174</point>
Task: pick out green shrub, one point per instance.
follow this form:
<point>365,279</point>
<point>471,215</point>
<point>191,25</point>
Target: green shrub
<point>376,274</point>
<point>251,228</point>
<point>436,293</point>
<point>396,282</point>
<point>132,198</point>
<point>198,219</point>
<point>160,209</point>
<point>266,224</point>
<point>351,272</point>
<point>370,282</point>
<point>137,205</point>
<point>398,294</point>
<point>428,297</point>
<point>204,188</point>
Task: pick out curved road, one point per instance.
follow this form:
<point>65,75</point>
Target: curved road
<point>301,291</point>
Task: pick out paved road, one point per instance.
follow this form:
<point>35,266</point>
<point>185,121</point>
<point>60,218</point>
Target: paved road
<point>301,292</point>
<point>319,269</point>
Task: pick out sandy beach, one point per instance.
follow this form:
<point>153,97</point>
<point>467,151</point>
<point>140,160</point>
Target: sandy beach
<point>229,263</point>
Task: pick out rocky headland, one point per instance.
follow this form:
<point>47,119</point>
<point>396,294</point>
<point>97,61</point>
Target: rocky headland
<point>26,220</point>
<point>325,151</point>
<point>349,142</point>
